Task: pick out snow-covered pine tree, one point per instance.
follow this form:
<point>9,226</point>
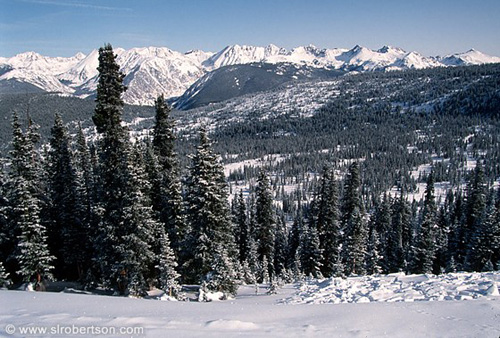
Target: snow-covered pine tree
<point>495,241</point>
<point>126,228</point>
<point>353,223</point>
<point>475,212</point>
<point>328,222</point>
<point>86,192</point>
<point>7,239</point>
<point>482,245</point>
<point>253,259</point>
<point>208,214</point>
<point>167,195</point>
<point>110,87</point>
<point>242,227</point>
<point>265,220</point>
<point>264,270</point>
<point>222,276</point>
<point>32,254</point>
<point>400,240</point>
<point>457,241</point>
<point>373,257</point>
<point>85,172</point>
<point>67,232</point>
<point>113,176</point>
<point>280,248</point>
<point>390,238</point>
<point>310,252</point>
<point>138,228</point>
<point>425,250</point>
<point>441,237</point>
<point>294,236</point>
<point>167,264</point>
<point>4,276</point>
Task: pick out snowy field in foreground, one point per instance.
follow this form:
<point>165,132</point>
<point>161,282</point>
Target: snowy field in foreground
<point>453,305</point>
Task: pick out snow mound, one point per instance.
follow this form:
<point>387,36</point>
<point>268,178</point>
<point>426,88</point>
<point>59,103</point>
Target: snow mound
<point>224,324</point>
<point>398,288</point>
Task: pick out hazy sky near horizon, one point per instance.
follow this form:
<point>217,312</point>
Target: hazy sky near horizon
<point>431,27</point>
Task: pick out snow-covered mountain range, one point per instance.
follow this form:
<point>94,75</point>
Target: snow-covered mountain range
<point>152,71</point>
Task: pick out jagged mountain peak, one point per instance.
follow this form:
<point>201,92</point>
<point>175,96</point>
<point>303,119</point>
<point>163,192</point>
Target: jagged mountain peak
<point>470,57</point>
<point>159,70</point>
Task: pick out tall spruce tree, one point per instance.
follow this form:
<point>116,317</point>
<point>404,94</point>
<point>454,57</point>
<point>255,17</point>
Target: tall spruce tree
<point>67,232</point>
<point>265,221</point>
<point>208,216</point>
<point>353,223</point>
<point>280,247</point>
<point>294,236</point>
<point>311,256</point>
<point>167,194</point>
<point>325,212</point>
<point>425,251</point>
<point>475,211</point>
<point>7,238</point>
<point>242,226</point>
<point>86,191</point>
<point>167,267</point>
<point>399,247</point>
<point>32,253</point>
<point>457,238</point>
<point>373,256</point>
<point>481,251</point>
<point>126,227</point>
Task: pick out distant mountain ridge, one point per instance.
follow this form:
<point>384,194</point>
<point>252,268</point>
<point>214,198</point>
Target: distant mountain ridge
<point>151,71</point>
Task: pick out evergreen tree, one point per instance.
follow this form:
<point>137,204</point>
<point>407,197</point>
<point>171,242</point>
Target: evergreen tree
<point>126,226</point>
<point>265,220</point>
<point>426,246</point>
<point>327,222</point>
<point>483,242</point>
<point>264,270</point>
<point>243,231</point>
<point>33,257</point>
<point>137,230</point>
<point>167,192</point>
<point>373,257</point>
<point>457,238</point>
<point>310,252</point>
<point>84,169</point>
<point>399,247</point>
<point>441,238</point>
<point>222,276</point>
<point>7,238</point>
<point>168,276</point>
<point>67,235</point>
<point>476,205</point>
<point>354,249</point>
<point>4,276</point>
<point>208,215</point>
<point>109,102</point>
<point>294,236</point>
<point>495,231</point>
<point>280,248</point>
<point>389,237</point>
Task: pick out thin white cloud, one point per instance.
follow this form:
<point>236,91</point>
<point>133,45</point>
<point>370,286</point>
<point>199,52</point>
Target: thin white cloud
<point>77,5</point>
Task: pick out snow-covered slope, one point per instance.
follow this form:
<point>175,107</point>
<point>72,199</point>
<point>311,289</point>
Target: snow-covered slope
<point>157,70</point>
<point>399,287</point>
<point>471,57</point>
<point>251,314</point>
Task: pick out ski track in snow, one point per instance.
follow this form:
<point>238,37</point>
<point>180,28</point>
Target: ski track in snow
<point>296,311</point>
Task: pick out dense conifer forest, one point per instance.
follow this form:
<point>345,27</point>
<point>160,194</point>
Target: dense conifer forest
<point>336,193</point>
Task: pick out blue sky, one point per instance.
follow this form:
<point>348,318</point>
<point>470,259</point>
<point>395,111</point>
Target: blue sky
<point>64,27</point>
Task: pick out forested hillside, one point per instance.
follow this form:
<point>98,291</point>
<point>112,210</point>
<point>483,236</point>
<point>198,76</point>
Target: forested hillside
<point>363,174</point>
